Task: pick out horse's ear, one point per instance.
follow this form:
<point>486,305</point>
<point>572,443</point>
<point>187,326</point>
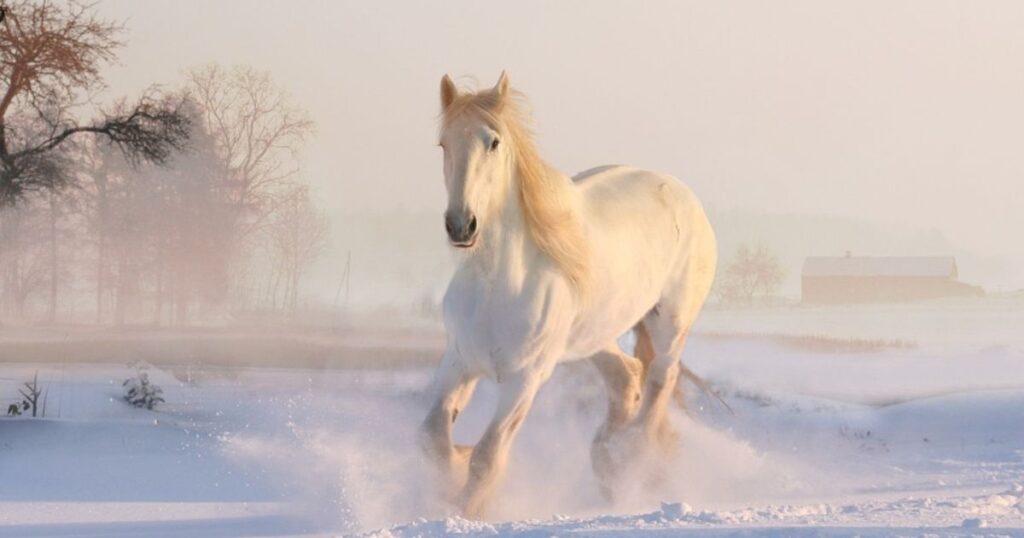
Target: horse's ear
<point>501,88</point>
<point>448,92</point>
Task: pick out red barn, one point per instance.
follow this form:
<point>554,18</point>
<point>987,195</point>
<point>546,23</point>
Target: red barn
<point>869,279</point>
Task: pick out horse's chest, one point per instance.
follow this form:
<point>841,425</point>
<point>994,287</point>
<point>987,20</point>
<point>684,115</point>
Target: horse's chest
<point>497,330</point>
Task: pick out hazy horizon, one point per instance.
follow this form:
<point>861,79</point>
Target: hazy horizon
<point>904,113</point>
<point>218,320</point>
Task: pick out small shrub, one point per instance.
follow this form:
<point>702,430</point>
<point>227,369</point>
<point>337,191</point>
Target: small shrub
<point>139,391</point>
<point>30,393</point>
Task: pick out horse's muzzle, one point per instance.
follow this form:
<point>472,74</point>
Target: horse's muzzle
<point>461,228</point>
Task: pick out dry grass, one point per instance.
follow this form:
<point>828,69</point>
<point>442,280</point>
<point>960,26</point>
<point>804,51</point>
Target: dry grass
<point>370,346</point>
<point>360,348</point>
<point>818,343</point>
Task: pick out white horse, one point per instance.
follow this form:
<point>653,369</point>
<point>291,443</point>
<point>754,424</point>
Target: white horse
<point>556,269</point>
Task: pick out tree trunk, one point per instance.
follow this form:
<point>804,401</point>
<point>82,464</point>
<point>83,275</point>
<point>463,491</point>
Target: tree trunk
<point>293,306</point>
<point>101,243</point>
<point>277,285</point>
<point>159,298</point>
<point>120,297</point>
<point>51,315</point>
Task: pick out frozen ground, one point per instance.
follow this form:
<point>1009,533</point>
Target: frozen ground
<point>926,441</point>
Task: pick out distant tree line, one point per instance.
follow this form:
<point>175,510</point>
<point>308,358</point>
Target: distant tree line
<point>182,204</point>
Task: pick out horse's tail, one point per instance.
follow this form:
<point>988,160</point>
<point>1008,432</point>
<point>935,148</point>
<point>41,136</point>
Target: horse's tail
<point>686,373</point>
<point>644,351</point>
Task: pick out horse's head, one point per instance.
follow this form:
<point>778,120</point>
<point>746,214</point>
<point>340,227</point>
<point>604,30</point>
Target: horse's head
<point>477,158</point>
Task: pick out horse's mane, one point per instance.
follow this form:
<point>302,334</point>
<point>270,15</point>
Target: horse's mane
<point>545,195</point>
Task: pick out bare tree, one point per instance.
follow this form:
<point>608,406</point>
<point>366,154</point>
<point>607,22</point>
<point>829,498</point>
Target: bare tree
<point>162,243</point>
<point>298,236</point>
<point>55,209</point>
<point>194,237</point>
<point>753,271</point>
<point>257,132</point>
<point>23,255</point>
<point>95,168</point>
<point>161,234</point>
<point>50,58</point>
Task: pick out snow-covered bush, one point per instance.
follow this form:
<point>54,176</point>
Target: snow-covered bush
<point>139,391</point>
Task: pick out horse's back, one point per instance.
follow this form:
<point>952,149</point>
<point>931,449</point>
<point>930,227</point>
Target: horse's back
<point>670,218</point>
<point>651,241</point>
<point>612,188</point>
<point>591,172</point>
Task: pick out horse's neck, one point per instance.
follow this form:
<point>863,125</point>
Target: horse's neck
<point>506,248</point>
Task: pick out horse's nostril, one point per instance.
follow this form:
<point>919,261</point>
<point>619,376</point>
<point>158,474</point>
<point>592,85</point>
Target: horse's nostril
<point>472,225</point>
<point>448,226</point>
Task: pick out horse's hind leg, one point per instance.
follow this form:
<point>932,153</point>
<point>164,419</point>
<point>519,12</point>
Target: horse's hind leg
<point>622,375</point>
<point>666,327</point>
<point>454,387</point>
<point>644,352</point>
<point>667,331</point>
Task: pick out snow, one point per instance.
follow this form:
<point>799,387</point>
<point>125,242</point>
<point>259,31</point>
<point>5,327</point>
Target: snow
<point>906,441</point>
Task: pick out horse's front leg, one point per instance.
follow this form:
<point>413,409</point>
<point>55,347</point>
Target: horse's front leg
<point>490,456</point>
<point>454,386</point>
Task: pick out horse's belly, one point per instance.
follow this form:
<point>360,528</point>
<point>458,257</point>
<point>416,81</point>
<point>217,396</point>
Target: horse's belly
<point>630,282</point>
<point>598,327</point>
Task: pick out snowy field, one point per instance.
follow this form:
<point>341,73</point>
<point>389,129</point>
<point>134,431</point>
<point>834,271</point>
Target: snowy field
<point>924,437</point>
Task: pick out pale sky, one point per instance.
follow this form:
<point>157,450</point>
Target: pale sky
<point>902,112</point>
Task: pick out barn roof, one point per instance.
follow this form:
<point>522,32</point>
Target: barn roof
<point>931,266</point>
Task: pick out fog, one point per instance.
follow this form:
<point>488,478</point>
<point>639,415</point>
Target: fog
<point>903,119</point>
<point>231,308</point>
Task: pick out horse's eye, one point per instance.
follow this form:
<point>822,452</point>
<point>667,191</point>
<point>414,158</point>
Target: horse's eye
<point>494,144</point>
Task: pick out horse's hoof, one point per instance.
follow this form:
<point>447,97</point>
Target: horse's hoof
<point>668,442</point>
<point>606,469</point>
<point>613,452</point>
<point>471,508</point>
<point>456,472</point>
